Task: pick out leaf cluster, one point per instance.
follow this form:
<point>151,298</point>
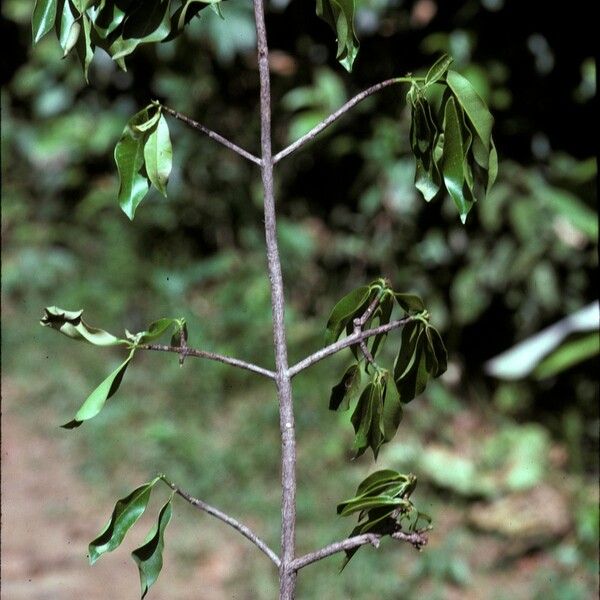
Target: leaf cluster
<point>144,157</point>
<point>116,26</point>
<point>451,137</point>
<point>421,355</point>
<point>382,502</point>
<point>339,15</point>
<point>126,513</point>
<point>71,324</point>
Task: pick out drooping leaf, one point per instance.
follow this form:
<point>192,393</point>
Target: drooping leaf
<point>392,410</point>
<point>129,156</point>
<point>85,46</point>
<point>345,310</point>
<point>382,501</point>
<point>339,15</point>
<point>346,390</point>
<point>133,184</point>
<point>68,27</point>
<point>437,356</point>
<point>186,12</point>
<point>406,353</point>
<point>110,17</point>
<point>424,136</point>
<point>439,69</point>
<point>361,419</point>
<point>453,159</point>
<point>376,433</point>
<point>96,400</point>
<point>43,18</point>
<point>149,21</point>
<point>158,156</point>
<point>125,514</point>
<point>71,324</point>
<point>414,380</point>
<point>474,107</point>
<point>148,557</point>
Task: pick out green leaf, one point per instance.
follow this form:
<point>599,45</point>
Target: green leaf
<point>149,21</point>
<point>361,419</point>
<point>438,69</point>
<point>473,106</point>
<point>158,155</point>
<point>382,501</point>
<point>96,400</point>
<point>345,310</point>
<point>109,17</point>
<point>68,28</point>
<point>186,12</point>
<point>424,136</point>
<point>180,335</point>
<point>368,503</point>
<point>71,324</point>
<point>85,46</point>
<point>383,315</point>
<point>129,156</point>
<point>408,344</point>
<point>346,390</point>
<point>436,354</point>
<point>392,410</point>
<point>410,303</point>
<point>43,18</point>
<point>376,433</point>
<point>339,15</point>
<point>453,158</point>
<point>125,514</point>
<point>377,478</point>
<point>149,556</point>
<point>160,327</point>
<point>414,380</point>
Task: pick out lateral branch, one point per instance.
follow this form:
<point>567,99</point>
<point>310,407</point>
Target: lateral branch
<point>184,351</point>
<point>218,514</point>
<point>213,135</point>
<point>417,539</point>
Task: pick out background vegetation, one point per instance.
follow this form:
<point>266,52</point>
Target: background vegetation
<point>508,470</point>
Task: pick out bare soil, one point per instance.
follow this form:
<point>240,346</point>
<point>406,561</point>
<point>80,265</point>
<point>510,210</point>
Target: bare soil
<point>49,516</point>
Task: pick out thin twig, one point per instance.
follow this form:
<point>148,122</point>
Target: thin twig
<point>352,339</point>
<point>186,351</point>
<point>337,114</point>
<point>212,135</point>
<point>287,577</point>
<point>367,314</point>
<point>359,323</point>
<point>365,352</point>
<point>215,512</point>
<point>417,539</point>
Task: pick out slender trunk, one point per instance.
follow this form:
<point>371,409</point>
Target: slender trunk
<point>287,576</point>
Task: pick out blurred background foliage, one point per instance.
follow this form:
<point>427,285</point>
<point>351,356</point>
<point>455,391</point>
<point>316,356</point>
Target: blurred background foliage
<point>507,469</point>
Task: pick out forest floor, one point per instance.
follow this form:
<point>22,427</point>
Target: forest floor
<point>49,516</point>
<point>50,513</point>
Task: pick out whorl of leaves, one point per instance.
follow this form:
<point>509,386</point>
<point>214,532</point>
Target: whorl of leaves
<point>421,355</point>
<point>383,504</point>
<point>451,137</point>
<point>116,26</point>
